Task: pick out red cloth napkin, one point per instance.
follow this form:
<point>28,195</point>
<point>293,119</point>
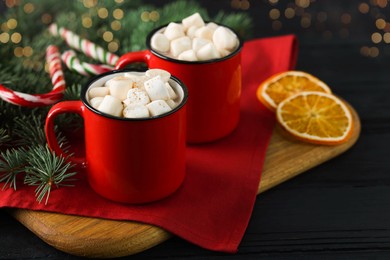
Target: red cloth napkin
<point>213,206</point>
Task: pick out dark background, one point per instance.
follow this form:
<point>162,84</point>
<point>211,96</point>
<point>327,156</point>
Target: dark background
<point>338,210</point>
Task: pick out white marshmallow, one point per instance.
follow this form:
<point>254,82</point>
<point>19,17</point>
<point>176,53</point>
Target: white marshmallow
<point>165,75</point>
<point>193,20</point>
<point>158,107</point>
<point>174,31</point>
<point>155,87</point>
<point>111,105</point>
<point>205,33</point>
<point>160,43</point>
<point>179,45</point>
<point>208,52</point>
<point>171,92</point>
<point>139,111</point>
<point>135,96</point>
<point>191,31</point>
<point>212,26</point>
<point>138,80</point>
<point>98,92</point>
<point>119,86</point>
<point>224,52</point>
<point>198,43</point>
<point>188,55</point>
<point>172,104</point>
<point>95,102</point>
<point>224,38</point>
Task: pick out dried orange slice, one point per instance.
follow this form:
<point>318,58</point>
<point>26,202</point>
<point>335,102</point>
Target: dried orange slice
<point>316,117</point>
<point>280,86</point>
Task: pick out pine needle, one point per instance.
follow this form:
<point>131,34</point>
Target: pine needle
<point>12,163</point>
<point>46,170</point>
<point>30,130</point>
<point>73,92</point>
<point>4,137</point>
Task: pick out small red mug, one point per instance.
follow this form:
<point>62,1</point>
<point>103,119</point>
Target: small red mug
<point>214,86</point>
<point>128,160</point>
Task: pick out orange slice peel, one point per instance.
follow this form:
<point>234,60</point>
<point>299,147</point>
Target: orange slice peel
<point>316,117</point>
<point>282,85</point>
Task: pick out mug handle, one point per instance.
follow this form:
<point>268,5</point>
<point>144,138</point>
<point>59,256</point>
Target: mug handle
<point>61,108</point>
<point>132,57</point>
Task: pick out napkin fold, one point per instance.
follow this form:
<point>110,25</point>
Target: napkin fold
<point>213,206</point>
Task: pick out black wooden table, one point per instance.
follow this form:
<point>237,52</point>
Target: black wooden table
<point>338,210</point>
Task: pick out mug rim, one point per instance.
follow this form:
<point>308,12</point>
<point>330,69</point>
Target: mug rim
<point>162,56</point>
<point>85,88</point>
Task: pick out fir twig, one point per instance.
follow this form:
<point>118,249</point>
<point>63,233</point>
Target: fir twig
<point>72,92</point>
<point>12,163</point>
<point>4,137</point>
<point>29,130</point>
<point>45,169</point>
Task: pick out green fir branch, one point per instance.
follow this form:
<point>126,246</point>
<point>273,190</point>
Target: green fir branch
<point>4,137</point>
<point>46,170</point>
<point>12,163</point>
<point>72,92</point>
<point>8,112</point>
<point>29,130</point>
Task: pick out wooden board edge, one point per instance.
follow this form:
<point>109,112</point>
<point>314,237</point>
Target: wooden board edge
<point>125,246</point>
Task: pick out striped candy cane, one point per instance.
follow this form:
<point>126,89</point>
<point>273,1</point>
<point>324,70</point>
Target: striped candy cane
<point>53,60</point>
<point>85,46</point>
<point>83,68</point>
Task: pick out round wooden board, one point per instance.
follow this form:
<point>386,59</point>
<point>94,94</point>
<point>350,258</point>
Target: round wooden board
<point>92,237</point>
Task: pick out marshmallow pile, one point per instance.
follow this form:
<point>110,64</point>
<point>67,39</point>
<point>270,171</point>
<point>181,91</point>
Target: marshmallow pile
<point>135,96</point>
<point>193,40</point>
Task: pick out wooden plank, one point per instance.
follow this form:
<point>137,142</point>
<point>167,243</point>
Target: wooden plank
<point>101,238</point>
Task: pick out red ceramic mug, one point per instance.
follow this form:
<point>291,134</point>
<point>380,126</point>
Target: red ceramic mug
<point>128,160</point>
<point>214,86</point>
